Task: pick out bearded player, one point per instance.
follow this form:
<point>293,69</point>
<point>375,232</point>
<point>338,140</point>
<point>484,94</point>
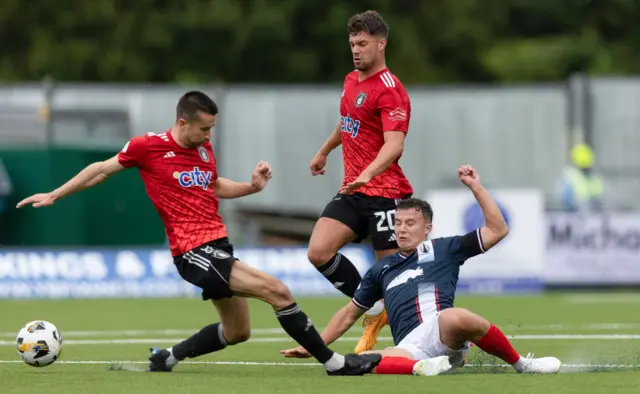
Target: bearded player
<point>178,168</point>
<point>375,112</point>
<point>419,284</point>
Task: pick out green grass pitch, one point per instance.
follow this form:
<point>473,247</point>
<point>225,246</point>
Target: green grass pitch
<point>597,336</point>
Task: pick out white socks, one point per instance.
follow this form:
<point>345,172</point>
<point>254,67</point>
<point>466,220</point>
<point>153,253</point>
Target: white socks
<point>172,361</point>
<point>335,362</point>
<point>377,309</point>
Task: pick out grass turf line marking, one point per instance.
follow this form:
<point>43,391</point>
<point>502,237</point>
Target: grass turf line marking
<point>177,331</point>
<point>126,341</point>
<point>298,364</point>
<point>266,331</point>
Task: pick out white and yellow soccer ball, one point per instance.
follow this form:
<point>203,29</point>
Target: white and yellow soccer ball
<point>39,343</point>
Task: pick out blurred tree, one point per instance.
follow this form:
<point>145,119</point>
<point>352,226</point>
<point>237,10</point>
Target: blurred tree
<point>305,41</point>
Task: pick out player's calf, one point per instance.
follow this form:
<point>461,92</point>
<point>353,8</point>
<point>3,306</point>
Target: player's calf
<point>398,365</point>
<point>250,282</point>
<point>211,338</point>
<point>458,325</point>
<point>398,361</point>
<point>329,235</point>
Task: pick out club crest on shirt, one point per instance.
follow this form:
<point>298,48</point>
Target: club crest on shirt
<point>203,154</point>
<point>360,98</point>
<point>426,253</point>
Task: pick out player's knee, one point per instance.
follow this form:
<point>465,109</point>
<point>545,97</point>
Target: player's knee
<point>278,293</point>
<point>319,256</point>
<point>467,323</point>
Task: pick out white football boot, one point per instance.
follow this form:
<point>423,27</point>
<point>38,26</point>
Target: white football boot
<point>539,365</point>
<point>432,366</point>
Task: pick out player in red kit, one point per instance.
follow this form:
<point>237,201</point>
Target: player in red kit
<point>374,119</point>
<point>178,168</point>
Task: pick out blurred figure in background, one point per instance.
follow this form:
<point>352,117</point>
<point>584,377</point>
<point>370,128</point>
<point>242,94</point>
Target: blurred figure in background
<point>6,189</point>
<point>581,186</point>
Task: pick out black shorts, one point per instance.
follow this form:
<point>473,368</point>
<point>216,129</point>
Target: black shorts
<point>208,266</point>
<point>367,216</point>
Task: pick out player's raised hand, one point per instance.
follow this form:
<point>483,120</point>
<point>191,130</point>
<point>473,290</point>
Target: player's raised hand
<point>261,175</point>
<point>349,188</point>
<point>318,164</point>
<point>468,175</point>
<point>298,352</point>
<point>38,200</point>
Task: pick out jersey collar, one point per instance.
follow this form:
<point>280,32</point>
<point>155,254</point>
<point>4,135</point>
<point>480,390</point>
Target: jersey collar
<point>372,76</point>
<point>405,256</point>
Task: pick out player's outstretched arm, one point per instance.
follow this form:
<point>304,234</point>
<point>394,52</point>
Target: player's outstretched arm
<point>340,323</point>
<point>495,228</point>
<point>319,161</point>
<point>91,175</point>
<point>226,188</point>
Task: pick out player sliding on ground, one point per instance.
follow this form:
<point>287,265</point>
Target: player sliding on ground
<point>418,285</point>
<point>179,171</point>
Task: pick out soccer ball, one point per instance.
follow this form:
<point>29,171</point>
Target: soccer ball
<point>39,343</point>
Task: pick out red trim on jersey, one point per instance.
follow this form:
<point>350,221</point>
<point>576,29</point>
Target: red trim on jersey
<point>418,309</point>
<point>437,300</point>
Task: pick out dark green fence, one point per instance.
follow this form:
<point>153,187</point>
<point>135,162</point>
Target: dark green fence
<point>117,212</point>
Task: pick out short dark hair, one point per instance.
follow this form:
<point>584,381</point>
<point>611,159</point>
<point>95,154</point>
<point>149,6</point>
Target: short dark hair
<point>370,22</point>
<point>192,102</point>
<point>417,204</point>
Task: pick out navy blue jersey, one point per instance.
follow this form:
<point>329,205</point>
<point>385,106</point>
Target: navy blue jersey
<point>419,285</point>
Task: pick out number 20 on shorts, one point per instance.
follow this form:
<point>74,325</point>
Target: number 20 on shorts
<point>386,220</point>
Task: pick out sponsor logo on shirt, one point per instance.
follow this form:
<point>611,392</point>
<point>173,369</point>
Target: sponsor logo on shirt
<point>397,114</point>
<point>350,125</point>
<point>194,178</point>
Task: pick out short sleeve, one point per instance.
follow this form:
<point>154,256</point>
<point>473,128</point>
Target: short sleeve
<point>215,163</point>
<point>395,109</point>
<point>463,247</point>
<point>369,291</point>
<point>134,152</point>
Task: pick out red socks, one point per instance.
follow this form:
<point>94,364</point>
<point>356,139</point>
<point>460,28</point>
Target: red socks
<point>496,344</point>
<point>395,366</point>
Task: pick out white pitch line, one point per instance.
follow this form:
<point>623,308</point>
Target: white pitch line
<point>294,364</point>
<point>608,299</point>
<point>266,331</point>
<point>575,336</point>
<point>127,341</point>
<point>175,331</point>
<point>562,326</point>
